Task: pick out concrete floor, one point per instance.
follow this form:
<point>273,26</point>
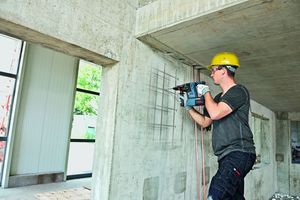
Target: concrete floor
<point>27,193</point>
<point>279,196</point>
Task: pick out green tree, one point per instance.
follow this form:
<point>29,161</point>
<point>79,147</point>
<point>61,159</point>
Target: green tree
<point>89,78</point>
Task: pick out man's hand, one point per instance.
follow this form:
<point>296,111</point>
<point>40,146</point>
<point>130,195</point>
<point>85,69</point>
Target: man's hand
<point>183,98</point>
<point>202,89</point>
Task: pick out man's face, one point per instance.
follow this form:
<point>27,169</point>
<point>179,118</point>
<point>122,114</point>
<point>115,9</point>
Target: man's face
<point>216,73</point>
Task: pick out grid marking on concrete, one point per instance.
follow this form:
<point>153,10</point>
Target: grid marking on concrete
<point>162,105</point>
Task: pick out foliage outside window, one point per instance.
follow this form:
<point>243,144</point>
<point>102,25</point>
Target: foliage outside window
<point>89,78</point>
<point>86,101</point>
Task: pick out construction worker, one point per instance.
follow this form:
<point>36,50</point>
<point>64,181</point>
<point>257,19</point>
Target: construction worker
<point>232,139</point>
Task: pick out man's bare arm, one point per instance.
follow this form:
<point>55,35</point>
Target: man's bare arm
<point>200,119</point>
<point>216,110</point>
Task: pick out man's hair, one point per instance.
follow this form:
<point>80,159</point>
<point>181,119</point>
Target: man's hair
<point>230,70</point>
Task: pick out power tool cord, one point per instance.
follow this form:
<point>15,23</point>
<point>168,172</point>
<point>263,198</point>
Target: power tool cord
<point>203,165</point>
<point>197,155</point>
<point>197,160</point>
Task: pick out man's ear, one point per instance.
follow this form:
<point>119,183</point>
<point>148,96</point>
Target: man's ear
<point>224,71</point>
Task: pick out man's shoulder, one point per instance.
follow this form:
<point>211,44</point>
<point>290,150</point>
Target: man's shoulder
<point>236,96</point>
<point>239,88</point>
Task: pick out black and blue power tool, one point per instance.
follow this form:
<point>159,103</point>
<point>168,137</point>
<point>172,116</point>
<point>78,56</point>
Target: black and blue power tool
<point>193,99</point>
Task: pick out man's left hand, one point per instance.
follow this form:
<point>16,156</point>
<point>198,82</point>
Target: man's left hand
<point>183,99</point>
<point>202,89</point>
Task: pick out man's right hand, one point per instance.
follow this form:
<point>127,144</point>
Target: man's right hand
<point>202,89</point>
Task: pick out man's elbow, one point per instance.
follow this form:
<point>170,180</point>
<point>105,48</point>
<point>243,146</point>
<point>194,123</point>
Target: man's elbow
<point>220,115</point>
<point>207,123</point>
<point>216,116</point>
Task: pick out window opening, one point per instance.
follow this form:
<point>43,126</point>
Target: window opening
<point>295,141</point>
<point>85,114</point>
<point>10,56</point>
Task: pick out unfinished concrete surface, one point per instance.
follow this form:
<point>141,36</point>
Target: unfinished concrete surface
<point>265,35</point>
<point>145,142</point>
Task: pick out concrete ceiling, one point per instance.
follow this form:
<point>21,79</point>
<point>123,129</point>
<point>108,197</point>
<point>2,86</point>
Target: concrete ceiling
<point>265,36</point>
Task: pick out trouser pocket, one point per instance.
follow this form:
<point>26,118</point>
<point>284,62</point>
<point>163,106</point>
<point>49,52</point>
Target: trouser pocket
<point>232,176</point>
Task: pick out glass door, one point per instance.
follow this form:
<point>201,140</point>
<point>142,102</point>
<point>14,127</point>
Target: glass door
<point>85,112</point>
<point>10,53</point>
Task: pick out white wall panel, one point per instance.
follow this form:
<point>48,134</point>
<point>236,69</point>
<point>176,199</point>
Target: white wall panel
<point>45,112</point>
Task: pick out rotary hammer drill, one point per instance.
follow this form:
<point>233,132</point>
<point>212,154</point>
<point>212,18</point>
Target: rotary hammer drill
<point>193,99</point>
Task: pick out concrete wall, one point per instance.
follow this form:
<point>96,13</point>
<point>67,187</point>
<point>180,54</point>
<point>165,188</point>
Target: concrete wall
<point>145,2</point>
<point>92,30</point>
<point>261,182</point>
<point>288,172</point>
<point>152,152</point>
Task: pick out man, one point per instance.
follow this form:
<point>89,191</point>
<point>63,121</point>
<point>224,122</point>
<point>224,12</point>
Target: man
<point>232,139</point>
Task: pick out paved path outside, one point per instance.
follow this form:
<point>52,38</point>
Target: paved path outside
<point>29,192</point>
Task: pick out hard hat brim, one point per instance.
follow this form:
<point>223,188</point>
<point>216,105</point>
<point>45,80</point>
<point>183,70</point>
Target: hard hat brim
<point>209,67</point>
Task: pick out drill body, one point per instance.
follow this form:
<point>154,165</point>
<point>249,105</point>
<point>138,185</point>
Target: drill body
<point>193,98</point>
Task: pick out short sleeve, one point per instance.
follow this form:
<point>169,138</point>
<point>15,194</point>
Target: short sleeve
<point>217,99</point>
<point>235,97</point>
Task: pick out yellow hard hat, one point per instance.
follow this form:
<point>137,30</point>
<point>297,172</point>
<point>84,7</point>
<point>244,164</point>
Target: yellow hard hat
<point>224,58</point>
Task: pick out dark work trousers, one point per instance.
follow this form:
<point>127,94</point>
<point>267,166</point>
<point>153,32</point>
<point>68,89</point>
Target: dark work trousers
<point>228,183</point>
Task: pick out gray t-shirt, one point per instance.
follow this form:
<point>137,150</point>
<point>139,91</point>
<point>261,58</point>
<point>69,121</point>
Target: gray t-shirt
<point>232,132</point>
